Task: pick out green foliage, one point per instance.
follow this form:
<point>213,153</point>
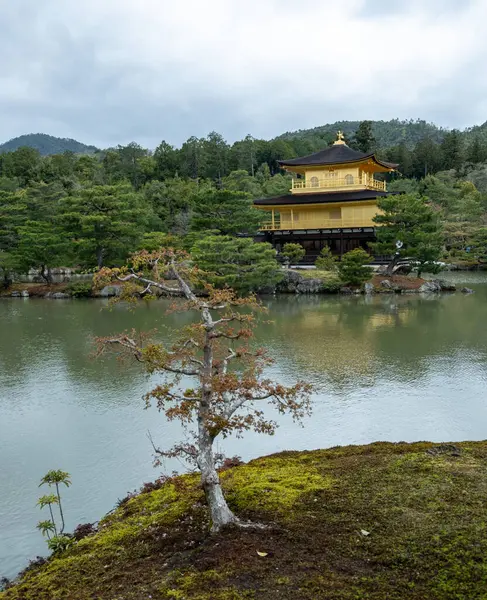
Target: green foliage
<point>105,222</point>
<point>410,219</point>
<point>54,478</point>
<point>353,267</point>
<point>228,212</point>
<point>364,138</point>
<point>60,543</point>
<point>293,253</point>
<point>46,528</point>
<point>47,500</point>
<point>41,245</point>
<point>326,261</point>
<point>94,207</point>
<point>480,244</point>
<point>80,289</point>
<point>238,263</point>
<point>154,240</point>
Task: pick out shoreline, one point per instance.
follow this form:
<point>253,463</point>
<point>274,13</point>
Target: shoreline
<point>294,282</point>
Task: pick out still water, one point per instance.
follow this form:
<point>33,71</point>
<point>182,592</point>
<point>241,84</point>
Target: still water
<point>384,368</point>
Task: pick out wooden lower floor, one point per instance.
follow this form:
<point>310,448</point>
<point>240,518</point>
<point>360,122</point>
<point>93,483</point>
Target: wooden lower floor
<point>340,241</point>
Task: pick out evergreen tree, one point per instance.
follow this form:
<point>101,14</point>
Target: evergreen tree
<point>167,161</point>
<point>452,150</point>
<point>228,212</point>
<point>476,151</point>
<point>408,218</point>
<point>293,253</point>
<point>353,267</point>
<point>41,246</point>
<point>239,263</point>
<point>426,158</point>
<point>364,138</point>
<point>217,153</point>
<point>105,222</point>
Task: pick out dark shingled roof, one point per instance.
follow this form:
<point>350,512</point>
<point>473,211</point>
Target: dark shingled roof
<point>333,155</point>
<point>297,199</point>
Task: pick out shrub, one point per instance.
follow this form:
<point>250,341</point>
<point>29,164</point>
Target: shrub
<point>80,289</point>
<point>353,269</point>
<point>60,543</point>
<point>326,261</point>
<point>293,253</point>
<point>84,530</point>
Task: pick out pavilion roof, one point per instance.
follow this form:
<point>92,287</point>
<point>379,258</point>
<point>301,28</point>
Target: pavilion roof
<point>299,199</point>
<point>334,155</point>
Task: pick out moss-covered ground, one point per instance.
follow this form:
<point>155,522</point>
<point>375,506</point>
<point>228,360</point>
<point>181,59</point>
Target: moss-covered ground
<point>383,521</point>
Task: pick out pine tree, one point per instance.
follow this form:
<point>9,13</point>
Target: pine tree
<point>364,138</point>
<point>408,218</point>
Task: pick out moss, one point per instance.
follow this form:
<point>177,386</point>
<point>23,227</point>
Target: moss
<point>422,507</point>
<point>272,485</point>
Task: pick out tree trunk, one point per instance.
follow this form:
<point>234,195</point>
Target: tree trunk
<point>46,274</point>
<point>99,257</point>
<point>391,265</point>
<point>220,512</point>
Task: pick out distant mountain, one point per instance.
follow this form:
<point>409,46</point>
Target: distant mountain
<point>387,133</point>
<point>47,144</point>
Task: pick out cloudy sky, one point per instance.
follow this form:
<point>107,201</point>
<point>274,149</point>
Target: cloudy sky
<point>112,71</point>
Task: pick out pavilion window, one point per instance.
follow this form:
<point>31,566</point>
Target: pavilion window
<point>349,179</point>
<point>314,181</point>
<point>336,213</point>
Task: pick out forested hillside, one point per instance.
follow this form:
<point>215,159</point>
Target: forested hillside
<point>89,210</point>
<point>47,144</point>
<point>386,133</point>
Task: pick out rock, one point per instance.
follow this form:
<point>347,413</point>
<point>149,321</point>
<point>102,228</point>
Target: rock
<point>346,290</point>
<point>24,294</point>
<point>430,287</point>
<point>446,286</point>
<point>109,291</point>
<point>448,449</point>
<point>309,286</point>
<point>57,296</point>
<point>15,294</point>
<point>369,288</point>
<point>385,283</point>
<point>466,290</point>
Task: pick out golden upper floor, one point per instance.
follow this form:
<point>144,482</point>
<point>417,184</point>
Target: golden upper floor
<point>336,168</point>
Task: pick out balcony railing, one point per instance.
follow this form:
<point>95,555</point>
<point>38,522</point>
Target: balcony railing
<point>279,224</point>
<point>313,184</point>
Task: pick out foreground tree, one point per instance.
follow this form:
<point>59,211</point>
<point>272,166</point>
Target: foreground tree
<point>410,219</point>
<point>229,374</point>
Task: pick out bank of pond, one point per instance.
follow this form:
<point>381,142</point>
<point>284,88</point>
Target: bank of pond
<point>293,282</point>
<point>381,521</point>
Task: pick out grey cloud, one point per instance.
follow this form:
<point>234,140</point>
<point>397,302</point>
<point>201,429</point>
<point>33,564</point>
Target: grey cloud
<point>74,94</point>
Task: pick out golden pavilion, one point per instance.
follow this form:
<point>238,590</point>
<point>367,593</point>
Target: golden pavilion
<point>332,201</point>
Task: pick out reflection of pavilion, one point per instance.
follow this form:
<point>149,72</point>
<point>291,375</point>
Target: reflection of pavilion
<point>341,340</point>
<point>332,202</point>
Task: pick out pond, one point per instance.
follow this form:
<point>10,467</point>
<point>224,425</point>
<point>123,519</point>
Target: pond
<point>384,368</point>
